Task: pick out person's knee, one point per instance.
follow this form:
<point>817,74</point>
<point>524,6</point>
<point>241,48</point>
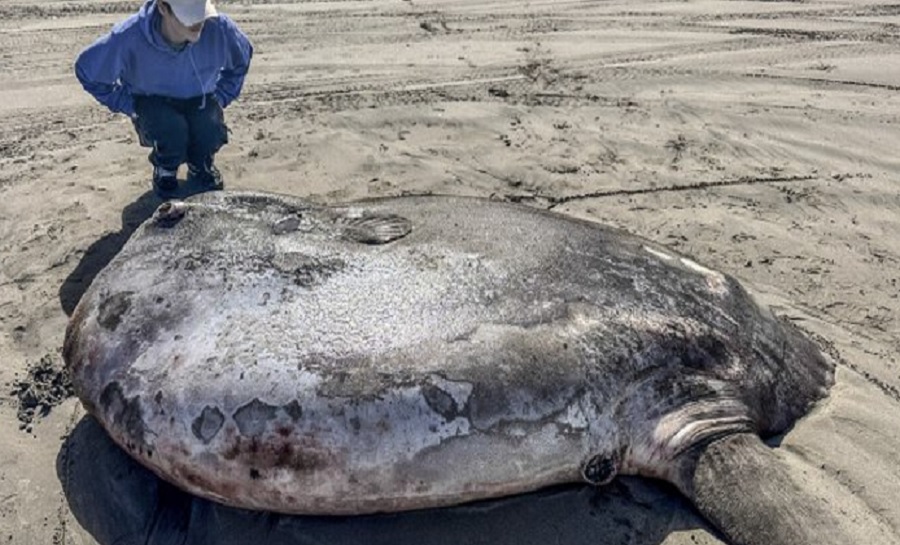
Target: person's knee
<point>163,128</point>
<point>208,131</point>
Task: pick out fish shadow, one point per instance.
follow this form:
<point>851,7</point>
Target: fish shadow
<point>119,502</point>
<point>101,252</point>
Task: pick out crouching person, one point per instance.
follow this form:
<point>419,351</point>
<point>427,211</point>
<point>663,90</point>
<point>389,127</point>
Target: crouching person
<point>172,67</point>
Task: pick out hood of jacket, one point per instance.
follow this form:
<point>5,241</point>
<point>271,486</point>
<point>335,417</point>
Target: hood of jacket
<point>149,20</point>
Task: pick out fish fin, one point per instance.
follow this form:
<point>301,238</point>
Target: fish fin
<point>753,496</point>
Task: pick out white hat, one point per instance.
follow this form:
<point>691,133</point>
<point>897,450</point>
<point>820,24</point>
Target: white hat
<point>191,12</point>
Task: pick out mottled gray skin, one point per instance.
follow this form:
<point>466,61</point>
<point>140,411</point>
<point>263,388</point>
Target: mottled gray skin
<point>424,351</point>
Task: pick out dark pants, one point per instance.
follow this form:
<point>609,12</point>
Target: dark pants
<point>179,130</point>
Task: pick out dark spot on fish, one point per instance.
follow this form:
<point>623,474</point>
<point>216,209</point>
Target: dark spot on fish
<point>254,473</point>
<point>158,397</point>
<point>208,424</point>
<point>286,225</point>
<point>699,390</point>
<point>124,413</point>
<point>315,273</point>
<point>440,402</point>
<point>259,204</point>
<point>684,389</point>
<point>600,470</point>
<point>702,352</point>
<point>276,451</point>
<point>253,418</point>
<point>284,431</point>
<point>113,308</point>
<point>294,410</point>
<point>306,270</point>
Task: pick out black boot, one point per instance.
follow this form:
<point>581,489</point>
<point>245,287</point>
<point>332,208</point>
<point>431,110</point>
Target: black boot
<point>207,177</point>
<point>165,182</point>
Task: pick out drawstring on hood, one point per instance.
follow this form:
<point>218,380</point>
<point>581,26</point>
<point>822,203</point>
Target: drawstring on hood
<point>197,75</point>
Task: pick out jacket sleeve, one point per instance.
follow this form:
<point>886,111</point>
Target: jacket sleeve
<point>240,51</point>
<point>99,68</point>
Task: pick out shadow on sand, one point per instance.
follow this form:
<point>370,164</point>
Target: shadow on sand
<point>104,250</point>
<point>120,502</point>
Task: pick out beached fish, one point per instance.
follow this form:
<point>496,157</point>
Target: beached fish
<point>413,352</point>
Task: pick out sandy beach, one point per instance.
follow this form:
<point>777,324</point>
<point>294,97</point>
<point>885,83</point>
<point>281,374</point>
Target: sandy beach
<point>759,137</point>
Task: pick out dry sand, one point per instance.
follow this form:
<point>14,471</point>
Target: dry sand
<point>759,137</point>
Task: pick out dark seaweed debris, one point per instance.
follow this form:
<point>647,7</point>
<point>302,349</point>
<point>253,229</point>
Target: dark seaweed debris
<point>46,386</point>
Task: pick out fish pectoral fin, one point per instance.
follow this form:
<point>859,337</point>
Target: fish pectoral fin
<point>753,496</point>
<point>374,228</point>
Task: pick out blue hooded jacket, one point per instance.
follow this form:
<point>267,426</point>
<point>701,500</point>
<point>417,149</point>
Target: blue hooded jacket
<point>134,59</point>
